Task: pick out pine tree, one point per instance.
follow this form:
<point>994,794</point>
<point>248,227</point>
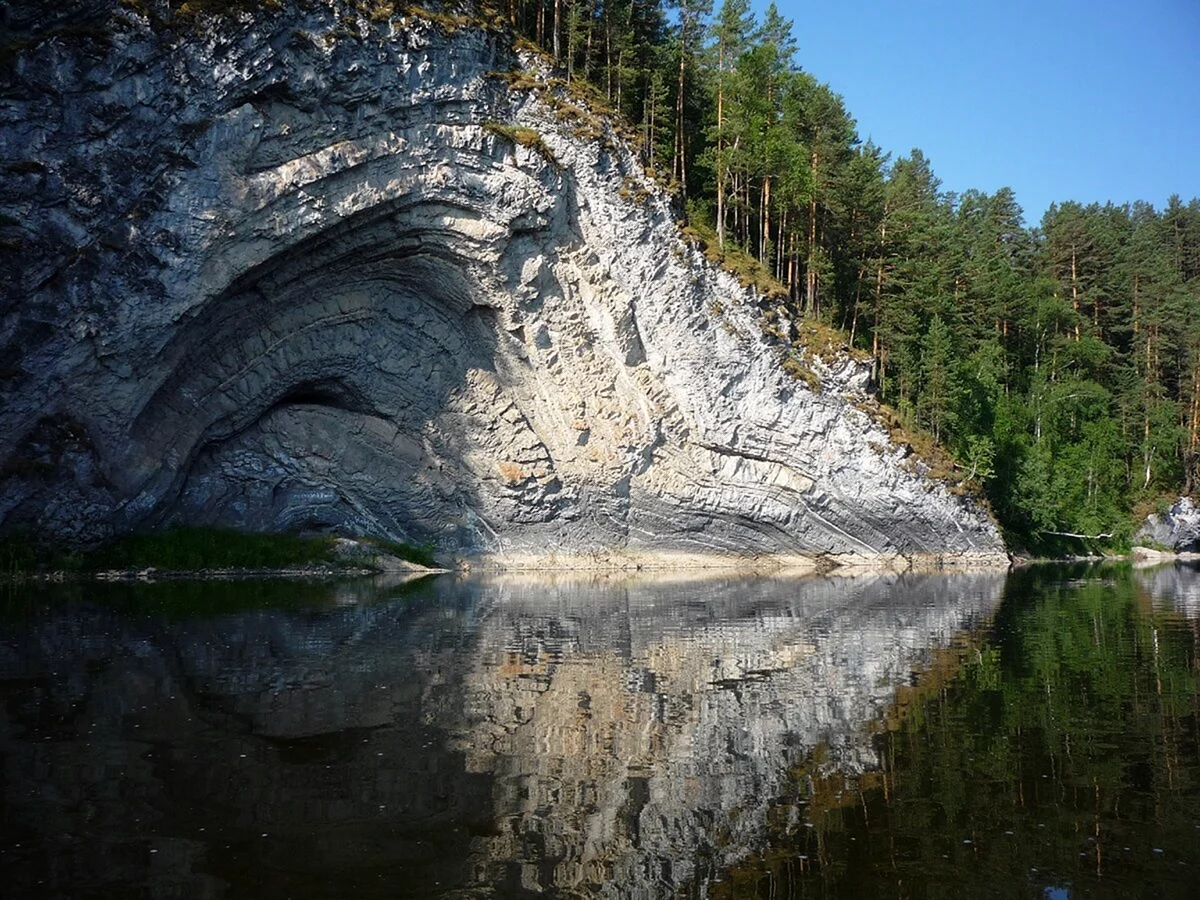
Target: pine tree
<point>730,38</point>
<point>690,16</point>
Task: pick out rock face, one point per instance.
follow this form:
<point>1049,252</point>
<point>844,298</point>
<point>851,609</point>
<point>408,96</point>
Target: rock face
<point>1178,528</point>
<point>288,273</point>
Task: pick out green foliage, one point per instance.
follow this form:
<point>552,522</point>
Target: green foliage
<point>19,556</point>
<point>197,549</point>
<point>22,556</point>
<point>980,455</point>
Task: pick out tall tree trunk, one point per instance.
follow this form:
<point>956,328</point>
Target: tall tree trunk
<point>557,27</point>
<point>1147,452</point>
<point>810,289</point>
<point>620,80</point>
<point>621,58</point>
<point>862,270</point>
<point>1150,378</point>
<point>748,216</point>
<point>1136,323</point>
<point>679,168</point>
<point>571,35</point>
<point>1192,467</point>
<point>720,197</point>
<point>779,245</point>
<point>764,224</point>
<point>733,195</point>
<point>876,344</point>
<point>1075,291</point>
<point>720,147</point>
<point>587,45</point>
<point>793,266</point>
<point>608,64</point>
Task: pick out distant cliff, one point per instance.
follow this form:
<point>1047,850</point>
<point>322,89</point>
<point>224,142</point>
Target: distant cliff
<point>314,270</point>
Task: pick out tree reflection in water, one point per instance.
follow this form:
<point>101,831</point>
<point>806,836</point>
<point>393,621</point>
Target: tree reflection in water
<point>1059,760</point>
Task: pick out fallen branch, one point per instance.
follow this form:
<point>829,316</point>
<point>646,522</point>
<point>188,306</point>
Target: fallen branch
<point>1087,537</point>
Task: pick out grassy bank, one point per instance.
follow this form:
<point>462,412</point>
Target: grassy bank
<point>192,549</point>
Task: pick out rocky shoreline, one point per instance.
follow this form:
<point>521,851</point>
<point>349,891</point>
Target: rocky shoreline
<point>699,566</point>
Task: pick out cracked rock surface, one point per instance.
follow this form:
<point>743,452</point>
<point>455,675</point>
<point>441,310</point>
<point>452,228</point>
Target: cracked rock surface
<point>288,273</point>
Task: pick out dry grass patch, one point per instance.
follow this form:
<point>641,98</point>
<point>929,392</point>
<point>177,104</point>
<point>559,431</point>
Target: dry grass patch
<point>793,367</point>
<point>449,23</point>
<point>525,136</point>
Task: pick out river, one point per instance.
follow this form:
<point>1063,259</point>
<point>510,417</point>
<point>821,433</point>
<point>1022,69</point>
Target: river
<point>1028,735</point>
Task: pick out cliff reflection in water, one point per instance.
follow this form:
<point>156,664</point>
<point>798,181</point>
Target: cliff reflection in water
<point>463,738</point>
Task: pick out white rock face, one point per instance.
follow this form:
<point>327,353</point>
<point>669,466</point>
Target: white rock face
<point>288,277</point>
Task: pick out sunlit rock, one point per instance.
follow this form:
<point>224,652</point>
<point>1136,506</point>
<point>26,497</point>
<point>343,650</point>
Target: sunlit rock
<point>1176,529</point>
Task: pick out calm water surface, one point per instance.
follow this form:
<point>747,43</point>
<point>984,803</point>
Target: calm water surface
<point>932,736</point>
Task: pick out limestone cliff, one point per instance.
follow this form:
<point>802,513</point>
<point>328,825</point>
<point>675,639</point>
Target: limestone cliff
<point>301,270</point>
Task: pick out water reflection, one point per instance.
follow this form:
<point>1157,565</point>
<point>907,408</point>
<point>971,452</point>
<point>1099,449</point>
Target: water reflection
<point>1174,587</point>
<point>640,733</point>
<point>473,737</point>
<point>1062,758</point>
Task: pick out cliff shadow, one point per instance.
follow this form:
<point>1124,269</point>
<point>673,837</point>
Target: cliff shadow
<point>333,387</point>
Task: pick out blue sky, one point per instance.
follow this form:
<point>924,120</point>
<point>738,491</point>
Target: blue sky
<point>1058,99</point>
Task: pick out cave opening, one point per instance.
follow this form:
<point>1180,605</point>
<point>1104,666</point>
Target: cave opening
<point>333,394</point>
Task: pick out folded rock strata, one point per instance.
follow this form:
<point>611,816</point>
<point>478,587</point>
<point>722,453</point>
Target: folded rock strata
<point>288,273</point>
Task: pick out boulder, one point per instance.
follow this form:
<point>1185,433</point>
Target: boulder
<point>1177,529</point>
